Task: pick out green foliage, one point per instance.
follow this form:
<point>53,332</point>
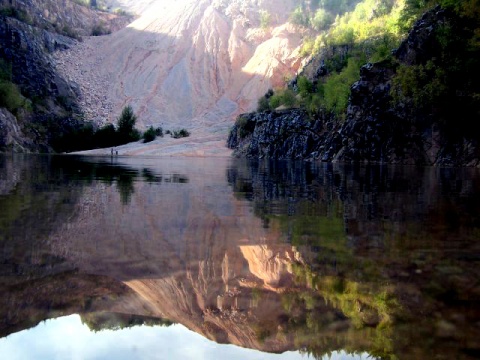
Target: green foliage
<point>322,19</point>
<point>304,86</point>
<point>337,6</point>
<point>106,136</point>
<point>263,104</point>
<point>423,84</point>
<point>342,36</point>
<point>448,80</point>
<point>83,136</point>
<point>177,134</point>
<point>381,48</point>
<point>307,47</point>
<point>100,321</point>
<point>298,17</point>
<point>337,87</point>
<point>10,96</point>
<point>285,97</point>
<point>244,127</point>
<point>265,19</point>
<point>16,13</point>
<point>149,135</point>
<point>126,125</point>
<point>5,70</point>
<point>366,33</point>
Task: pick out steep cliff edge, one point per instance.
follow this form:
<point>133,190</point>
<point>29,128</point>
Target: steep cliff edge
<point>416,108</point>
<point>38,104</point>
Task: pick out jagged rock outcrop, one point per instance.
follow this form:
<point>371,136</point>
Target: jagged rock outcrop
<point>30,31</point>
<point>374,131</point>
<point>377,127</point>
<point>287,134</point>
<point>65,16</point>
<point>10,133</point>
<point>51,99</point>
<point>28,50</point>
<point>405,130</point>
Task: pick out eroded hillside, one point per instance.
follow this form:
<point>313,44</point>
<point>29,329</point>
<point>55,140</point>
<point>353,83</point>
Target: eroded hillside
<point>193,64</point>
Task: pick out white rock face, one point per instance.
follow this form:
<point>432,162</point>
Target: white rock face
<point>192,64</point>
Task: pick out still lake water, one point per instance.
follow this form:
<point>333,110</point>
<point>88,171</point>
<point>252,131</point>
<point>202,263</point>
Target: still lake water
<point>160,258</point>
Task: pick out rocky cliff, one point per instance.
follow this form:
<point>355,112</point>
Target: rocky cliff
<point>39,102</point>
<point>286,134</point>
<point>428,122</point>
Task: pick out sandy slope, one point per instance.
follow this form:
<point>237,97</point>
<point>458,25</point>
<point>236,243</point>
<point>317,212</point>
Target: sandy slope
<point>193,64</point>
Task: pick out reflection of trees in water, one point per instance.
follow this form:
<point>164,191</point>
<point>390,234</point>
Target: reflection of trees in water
<point>393,249</point>
<point>39,193</point>
<point>99,321</point>
<point>125,186</point>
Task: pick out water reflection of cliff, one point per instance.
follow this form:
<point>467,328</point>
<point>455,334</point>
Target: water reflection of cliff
<point>273,257</point>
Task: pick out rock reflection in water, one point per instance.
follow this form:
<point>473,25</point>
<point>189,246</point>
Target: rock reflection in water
<point>270,256</point>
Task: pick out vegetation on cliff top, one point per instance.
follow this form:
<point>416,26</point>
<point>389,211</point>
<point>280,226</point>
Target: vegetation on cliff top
<point>368,31</point>
<point>348,34</point>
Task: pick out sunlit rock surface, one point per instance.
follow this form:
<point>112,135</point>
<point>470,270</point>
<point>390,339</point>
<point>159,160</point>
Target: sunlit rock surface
<point>190,63</point>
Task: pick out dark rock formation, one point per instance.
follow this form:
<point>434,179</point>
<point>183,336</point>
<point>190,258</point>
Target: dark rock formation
<point>287,134</point>
<point>52,98</point>
<point>27,49</point>
<point>65,17</point>
<point>10,133</point>
<point>378,129</point>
<point>30,31</point>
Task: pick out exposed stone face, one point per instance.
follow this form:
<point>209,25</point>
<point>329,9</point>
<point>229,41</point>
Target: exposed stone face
<point>421,42</point>
<point>66,16</point>
<point>10,133</point>
<point>373,130</point>
<point>28,50</point>
<point>287,134</point>
<point>28,38</point>
<point>376,128</point>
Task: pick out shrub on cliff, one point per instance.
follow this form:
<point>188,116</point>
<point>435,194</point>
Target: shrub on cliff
<point>285,97</point>
<point>10,96</point>
<point>337,87</point>
<point>444,83</point>
<point>263,104</point>
<point>242,124</point>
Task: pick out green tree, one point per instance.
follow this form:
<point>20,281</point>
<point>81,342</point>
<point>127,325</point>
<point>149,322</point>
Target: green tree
<point>265,19</point>
<point>297,17</point>
<point>337,87</point>
<point>126,125</point>
<point>263,104</point>
<point>304,86</point>
<point>322,20</point>
<point>149,135</point>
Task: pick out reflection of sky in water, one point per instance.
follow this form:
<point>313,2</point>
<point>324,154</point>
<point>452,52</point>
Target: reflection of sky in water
<point>68,338</point>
